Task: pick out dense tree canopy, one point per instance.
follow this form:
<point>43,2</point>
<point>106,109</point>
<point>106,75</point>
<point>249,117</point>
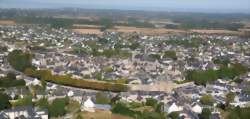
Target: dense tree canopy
<point>10,81</point>
<point>20,60</point>
<point>205,114</point>
<point>57,107</point>
<point>4,101</point>
<point>201,77</point>
<point>239,113</point>
<point>207,100</point>
<point>42,103</point>
<point>26,100</point>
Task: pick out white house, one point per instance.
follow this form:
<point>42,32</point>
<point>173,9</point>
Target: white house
<point>88,105</point>
<point>70,93</point>
<point>197,109</point>
<point>174,108</point>
<point>24,112</point>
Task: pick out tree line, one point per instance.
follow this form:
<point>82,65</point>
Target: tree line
<point>201,77</point>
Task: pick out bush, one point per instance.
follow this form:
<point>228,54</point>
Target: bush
<point>205,114</point>
<point>239,113</point>
<point>151,102</point>
<point>121,108</point>
<point>57,107</point>
<point>174,115</point>
<point>102,98</point>
<point>43,103</point>
<point>140,110</point>
<point>108,69</point>
<point>155,56</point>
<point>121,81</point>
<point>10,81</point>
<point>170,54</point>
<point>26,100</point>
<point>207,100</point>
<point>4,101</point>
<point>5,82</point>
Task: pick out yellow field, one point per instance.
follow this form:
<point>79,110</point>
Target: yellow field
<point>86,26</point>
<point>206,31</point>
<point>87,31</point>
<point>7,22</point>
<point>147,31</point>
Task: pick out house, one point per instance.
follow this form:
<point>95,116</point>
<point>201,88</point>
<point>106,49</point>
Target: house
<point>24,112</point>
<point>88,106</point>
<point>173,108</point>
<point>70,93</point>
<point>35,82</point>
<point>197,108</point>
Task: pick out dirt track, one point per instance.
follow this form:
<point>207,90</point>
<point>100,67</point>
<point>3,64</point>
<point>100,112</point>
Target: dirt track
<point>165,86</point>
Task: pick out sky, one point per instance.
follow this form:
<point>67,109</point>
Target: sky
<point>223,6</point>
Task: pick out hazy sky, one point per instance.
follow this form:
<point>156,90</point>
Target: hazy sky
<point>162,5</point>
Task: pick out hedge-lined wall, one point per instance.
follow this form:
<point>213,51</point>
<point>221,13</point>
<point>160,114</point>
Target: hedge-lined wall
<point>80,83</point>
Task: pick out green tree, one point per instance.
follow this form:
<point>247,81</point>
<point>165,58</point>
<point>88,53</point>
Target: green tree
<point>230,98</point>
<point>4,101</point>
<point>106,23</point>
<point>19,60</point>
<point>174,115</point>
<point>122,108</point>
<point>43,103</point>
<point>102,98</point>
<point>10,82</point>
<point>151,102</point>
<point>57,107</point>
<point>205,114</point>
<point>207,100</point>
<point>201,77</point>
<point>155,56</point>
<point>170,54</point>
<point>26,100</point>
<point>11,76</point>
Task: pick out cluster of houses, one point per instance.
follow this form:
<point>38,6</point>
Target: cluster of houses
<point>54,51</point>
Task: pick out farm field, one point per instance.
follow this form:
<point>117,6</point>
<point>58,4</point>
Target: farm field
<point>94,29</point>
<point>7,22</point>
<point>88,31</point>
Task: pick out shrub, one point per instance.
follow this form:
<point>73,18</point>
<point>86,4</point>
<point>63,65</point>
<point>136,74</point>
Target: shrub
<point>4,101</point>
<point>174,115</point>
<point>170,54</point>
<point>207,100</point>
<point>43,103</point>
<point>205,114</point>
<point>102,98</point>
<point>57,107</point>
